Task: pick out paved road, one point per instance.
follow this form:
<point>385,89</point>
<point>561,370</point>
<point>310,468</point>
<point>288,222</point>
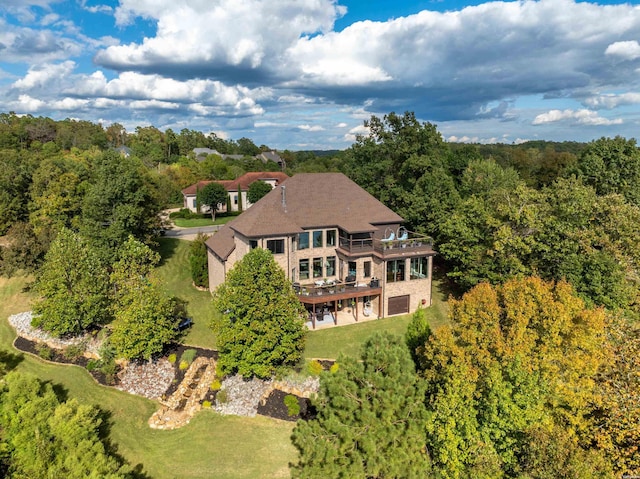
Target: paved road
<point>190,233</point>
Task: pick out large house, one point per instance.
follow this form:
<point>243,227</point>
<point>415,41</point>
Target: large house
<point>237,189</point>
<point>347,254</point>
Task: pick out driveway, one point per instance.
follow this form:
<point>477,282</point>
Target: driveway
<point>190,233</point>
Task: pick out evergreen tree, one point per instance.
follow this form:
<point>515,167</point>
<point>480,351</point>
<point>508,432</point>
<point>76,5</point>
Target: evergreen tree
<point>198,261</point>
<point>370,419</point>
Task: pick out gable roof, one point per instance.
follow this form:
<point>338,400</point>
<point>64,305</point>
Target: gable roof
<point>244,181</point>
<point>311,200</point>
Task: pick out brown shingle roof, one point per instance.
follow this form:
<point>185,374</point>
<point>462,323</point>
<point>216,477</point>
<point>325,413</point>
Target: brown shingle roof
<point>244,181</point>
<point>312,200</point>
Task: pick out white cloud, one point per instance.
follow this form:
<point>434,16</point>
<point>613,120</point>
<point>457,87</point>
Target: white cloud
<point>610,101</point>
<point>44,76</point>
<point>581,117</point>
<point>310,127</point>
<point>629,50</point>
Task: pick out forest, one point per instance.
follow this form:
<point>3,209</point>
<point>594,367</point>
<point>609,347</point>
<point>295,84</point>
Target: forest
<point>537,376</point>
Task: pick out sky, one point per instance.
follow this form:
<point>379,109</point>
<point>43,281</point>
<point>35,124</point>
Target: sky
<point>306,74</point>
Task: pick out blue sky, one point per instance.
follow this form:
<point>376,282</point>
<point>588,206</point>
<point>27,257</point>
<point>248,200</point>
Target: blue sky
<point>305,74</point>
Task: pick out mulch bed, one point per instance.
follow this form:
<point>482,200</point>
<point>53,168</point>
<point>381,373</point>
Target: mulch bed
<point>274,407</point>
<point>57,356</point>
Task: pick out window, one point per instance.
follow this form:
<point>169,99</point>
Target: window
<point>303,240</point>
<point>331,237</point>
<point>419,268</point>
<point>317,267</point>
<point>330,266</point>
<point>367,269</point>
<point>253,244</point>
<point>235,199</point>
<point>317,239</point>
<point>395,270</point>
<point>352,269</point>
<point>304,269</point>
<point>276,246</point>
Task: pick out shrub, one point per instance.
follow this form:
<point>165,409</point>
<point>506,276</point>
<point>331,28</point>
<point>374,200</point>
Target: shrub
<point>172,358</point>
<point>221,397</point>
<point>74,351</point>
<point>183,365</point>
<point>334,368</point>
<point>44,351</point>
<point>206,404</point>
<point>215,385</point>
<point>108,368</point>
<point>293,406</point>
<point>92,365</point>
<point>188,356</point>
<point>185,213</point>
<point>314,368</point>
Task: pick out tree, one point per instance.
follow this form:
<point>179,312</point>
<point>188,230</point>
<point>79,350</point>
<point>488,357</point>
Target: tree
<point>73,287</point>
<point>44,437</point>
<point>198,261</point>
<point>257,190</point>
<point>24,250</point>
<point>612,165</point>
<point>145,317</point>
<point>370,419</point>
<point>120,202</point>
<point>144,323</point>
<point>212,195</point>
<point>520,360</point>
<point>260,326</point>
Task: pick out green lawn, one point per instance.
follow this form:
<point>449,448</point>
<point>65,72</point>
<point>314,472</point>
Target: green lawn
<point>204,221</point>
<point>175,276</point>
<point>210,446</point>
<point>331,342</point>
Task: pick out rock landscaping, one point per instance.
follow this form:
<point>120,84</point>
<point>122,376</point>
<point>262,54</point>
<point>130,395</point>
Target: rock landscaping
<point>181,392</point>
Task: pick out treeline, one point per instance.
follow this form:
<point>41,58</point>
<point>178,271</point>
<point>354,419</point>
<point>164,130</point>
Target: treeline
<point>556,214</point>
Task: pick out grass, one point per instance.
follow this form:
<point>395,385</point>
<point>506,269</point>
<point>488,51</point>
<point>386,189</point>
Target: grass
<point>176,278</point>
<point>211,445</point>
<point>204,221</point>
<point>331,342</point>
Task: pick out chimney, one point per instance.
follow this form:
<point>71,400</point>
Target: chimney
<point>283,188</point>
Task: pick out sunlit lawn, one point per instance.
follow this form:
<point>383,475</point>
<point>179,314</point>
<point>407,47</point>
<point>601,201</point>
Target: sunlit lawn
<point>204,221</point>
<point>210,446</point>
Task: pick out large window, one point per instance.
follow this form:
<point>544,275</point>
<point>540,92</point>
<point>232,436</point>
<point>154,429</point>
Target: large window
<point>303,240</point>
<point>419,268</point>
<point>317,239</point>
<point>276,246</point>
<point>331,237</point>
<point>330,266</point>
<point>367,269</point>
<point>304,269</point>
<point>317,267</point>
<point>395,270</point>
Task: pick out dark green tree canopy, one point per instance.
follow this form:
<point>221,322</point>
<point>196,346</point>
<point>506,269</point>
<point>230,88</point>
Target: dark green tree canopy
<point>73,287</point>
<point>371,418</point>
<point>259,326</point>
<point>212,195</point>
<point>257,190</point>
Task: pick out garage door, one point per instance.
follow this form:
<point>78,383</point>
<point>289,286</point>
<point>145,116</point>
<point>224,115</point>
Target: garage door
<point>398,305</point>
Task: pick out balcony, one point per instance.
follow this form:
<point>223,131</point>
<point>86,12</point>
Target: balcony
<point>406,243</point>
<point>324,291</point>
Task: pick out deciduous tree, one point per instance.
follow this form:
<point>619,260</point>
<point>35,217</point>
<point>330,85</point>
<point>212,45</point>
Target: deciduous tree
<point>257,190</point>
<point>260,328</point>
<point>73,287</point>
<point>212,195</point>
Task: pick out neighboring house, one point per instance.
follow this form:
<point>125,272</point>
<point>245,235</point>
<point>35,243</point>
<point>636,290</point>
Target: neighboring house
<point>124,151</point>
<point>237,189</point>
<point>202,153</point>
<point>346,253</point>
